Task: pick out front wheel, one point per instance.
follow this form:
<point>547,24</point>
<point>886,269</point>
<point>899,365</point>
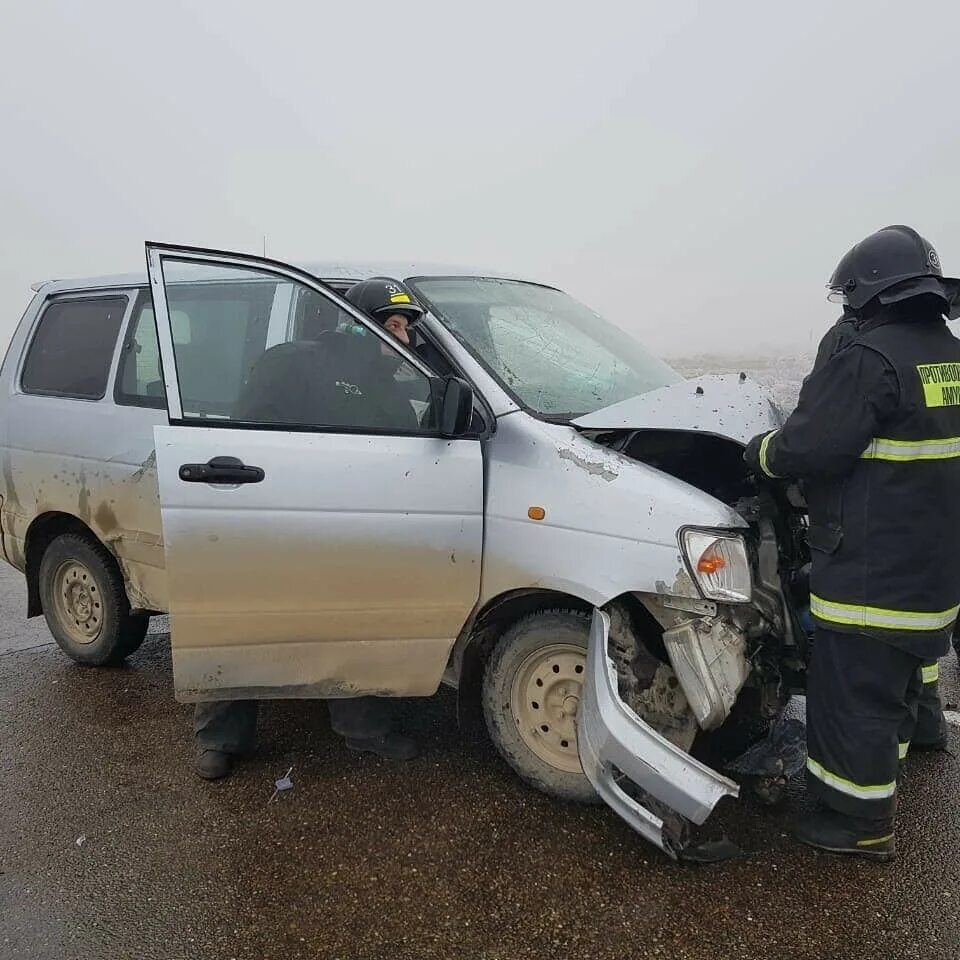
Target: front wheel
<point>85,602</point>
<point>532,690</point>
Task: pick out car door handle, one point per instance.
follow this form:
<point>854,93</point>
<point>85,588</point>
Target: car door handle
<point>226,470</point>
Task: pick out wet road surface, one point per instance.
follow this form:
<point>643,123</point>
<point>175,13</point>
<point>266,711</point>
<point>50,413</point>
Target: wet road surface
<point>447,856</point>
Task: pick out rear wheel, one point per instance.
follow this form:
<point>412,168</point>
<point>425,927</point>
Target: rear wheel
<point>85,603</point>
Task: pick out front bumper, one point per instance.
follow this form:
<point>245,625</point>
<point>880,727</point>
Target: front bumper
<point>614,742</point>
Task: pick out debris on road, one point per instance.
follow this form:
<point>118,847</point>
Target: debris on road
<point>284,783</point>
<point>711,851</point>
<point>81,840</point>
<point>769,764</point>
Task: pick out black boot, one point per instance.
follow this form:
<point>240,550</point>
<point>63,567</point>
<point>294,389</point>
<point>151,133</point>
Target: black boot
<point>837,833</point>
<point>213,764</point>
<point>392,746</point>
<point>933,738</point>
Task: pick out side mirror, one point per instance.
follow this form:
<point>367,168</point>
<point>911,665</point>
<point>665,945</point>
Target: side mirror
<point>454,406</point>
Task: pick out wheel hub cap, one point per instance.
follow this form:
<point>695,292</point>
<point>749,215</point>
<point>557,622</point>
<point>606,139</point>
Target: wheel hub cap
<point>544,700</point>
<point>78,603</point>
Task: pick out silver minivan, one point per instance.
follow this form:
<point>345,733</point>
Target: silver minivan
<point>524,504</point>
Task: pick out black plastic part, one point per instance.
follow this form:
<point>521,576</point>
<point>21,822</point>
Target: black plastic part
<point>710,851</point>
<point>225,470</point>
<point>456,409</point>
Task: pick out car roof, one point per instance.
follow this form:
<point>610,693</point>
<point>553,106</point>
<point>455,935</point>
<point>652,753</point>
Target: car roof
<point>331,270</point>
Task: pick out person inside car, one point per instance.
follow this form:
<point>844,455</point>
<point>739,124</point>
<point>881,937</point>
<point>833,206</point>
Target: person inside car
<point>323,381</point>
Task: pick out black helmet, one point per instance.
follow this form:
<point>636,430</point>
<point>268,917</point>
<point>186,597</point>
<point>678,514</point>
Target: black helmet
<point>885,260</point>
<point>380,297</point>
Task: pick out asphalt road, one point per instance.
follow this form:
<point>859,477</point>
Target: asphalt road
<point>111,848</point>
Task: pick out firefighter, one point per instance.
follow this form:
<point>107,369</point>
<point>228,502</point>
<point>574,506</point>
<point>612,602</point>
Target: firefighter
<point>226,730</point>
<point>924,728</point>
<point>876,439</point>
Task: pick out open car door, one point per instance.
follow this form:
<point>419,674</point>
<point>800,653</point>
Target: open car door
<point>322,539</point>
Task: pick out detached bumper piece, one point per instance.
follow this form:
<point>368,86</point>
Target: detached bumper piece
<point>615,743</point>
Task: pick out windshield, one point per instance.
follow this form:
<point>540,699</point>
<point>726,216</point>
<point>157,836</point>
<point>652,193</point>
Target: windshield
<point>551,353</point>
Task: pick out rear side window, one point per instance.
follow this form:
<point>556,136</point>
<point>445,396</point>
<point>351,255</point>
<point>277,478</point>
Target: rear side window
<point>219,331</point>
<point>73,347</point>
<point>140,378</point>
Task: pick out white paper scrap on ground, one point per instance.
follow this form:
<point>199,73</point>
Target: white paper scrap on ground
<point>284,783</point>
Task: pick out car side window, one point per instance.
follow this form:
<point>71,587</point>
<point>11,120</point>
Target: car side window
<point>72,348</point>
<point>313,315</point>
<point>324,373</point>
<point>139,376</point>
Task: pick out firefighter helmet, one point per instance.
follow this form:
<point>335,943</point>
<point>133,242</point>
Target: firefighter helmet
<point>381,297</point>
<point>886,260</point>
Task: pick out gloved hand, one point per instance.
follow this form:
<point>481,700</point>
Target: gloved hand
<point>751,455</point>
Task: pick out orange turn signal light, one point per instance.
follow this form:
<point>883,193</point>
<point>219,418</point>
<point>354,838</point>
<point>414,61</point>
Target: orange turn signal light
<point>710,563</point>
<point>536,513</point>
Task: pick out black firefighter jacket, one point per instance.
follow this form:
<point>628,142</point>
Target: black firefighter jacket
<point>876,438</point>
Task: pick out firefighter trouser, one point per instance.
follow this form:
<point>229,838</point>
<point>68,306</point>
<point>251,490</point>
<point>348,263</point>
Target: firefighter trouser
<point>925,724</point>
<point>858,702</point>
<point>231,725</point>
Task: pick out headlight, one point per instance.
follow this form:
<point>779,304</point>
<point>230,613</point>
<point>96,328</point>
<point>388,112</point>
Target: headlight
<point>719,564</point>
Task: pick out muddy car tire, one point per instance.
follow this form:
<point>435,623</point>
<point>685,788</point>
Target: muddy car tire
<point>531,689</point>
<point>85,603</point>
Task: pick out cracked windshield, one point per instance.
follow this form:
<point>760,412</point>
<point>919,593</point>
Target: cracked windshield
<point>554,355</point>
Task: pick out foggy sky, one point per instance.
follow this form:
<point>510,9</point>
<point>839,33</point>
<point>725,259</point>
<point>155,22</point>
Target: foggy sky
<point>691,170</point>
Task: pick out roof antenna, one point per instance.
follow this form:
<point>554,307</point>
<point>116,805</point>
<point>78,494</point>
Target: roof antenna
<point>264,245</point>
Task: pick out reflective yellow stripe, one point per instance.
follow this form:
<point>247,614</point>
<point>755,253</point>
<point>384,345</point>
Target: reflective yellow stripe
<point>854,615</point>
<point>930,673</point>
<point>876,791</point>
<point>880,448</point>
<point>873,841</point>
<point>902,750</point>
<point>763,455</point>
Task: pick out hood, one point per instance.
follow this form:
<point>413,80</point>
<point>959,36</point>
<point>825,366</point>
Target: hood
<point>731,406</point>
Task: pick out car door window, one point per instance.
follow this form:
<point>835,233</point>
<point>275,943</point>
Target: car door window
<point>314,314</point>
<point>324,375</point>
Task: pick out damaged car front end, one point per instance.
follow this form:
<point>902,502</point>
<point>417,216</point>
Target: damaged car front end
<point>729,617</point>
<point>643,511</point>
